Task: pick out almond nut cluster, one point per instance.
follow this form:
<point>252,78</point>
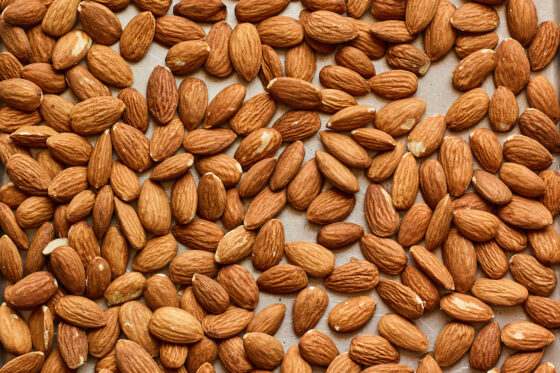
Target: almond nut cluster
<point>87,190</point>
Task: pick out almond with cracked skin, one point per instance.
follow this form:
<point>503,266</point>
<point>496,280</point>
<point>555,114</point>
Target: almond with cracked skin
<point>72,344</point>
<point>399,117</point>
<point>466,308</point>
<point>427,136</point>
<point>381,214</point>
<point>460,259</point>
<point>402,332</point>
<point>70,49</point>
<point>453,341</point>
<point>421,285</point>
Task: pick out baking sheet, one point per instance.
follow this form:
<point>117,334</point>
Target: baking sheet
<point>435,88</point>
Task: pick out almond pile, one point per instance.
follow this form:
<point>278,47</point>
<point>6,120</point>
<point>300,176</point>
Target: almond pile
<point>87,190</point>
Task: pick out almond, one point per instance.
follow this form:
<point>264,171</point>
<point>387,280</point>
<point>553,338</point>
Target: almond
<point>268,320</point>
<point>537,278</point>
<point>368,349</point>
<point>402,332</point>
<point>245,50</point>
<point>99,22</point>
<point>512,61</point>
<point>544,45</point>
<point>439,36</point>
<point>467,110</point>
<point>491,187</point>
<point>522,20</point>
<point>381,215</point>
<point>453,341</point>
<point>352,314</point>
<point>282,279</point>
<point>526,336</point>
<point>394,84</point>
<point>537,125</point>
<point>268,246</point>
<point>353,277</point>
<point>456,160</point>
<point>218,62</point>
<point>345,79</point>
<point>314,259</point>
<point>228,324</point>
<point>400,298</point>
<point>309,306</point>
<point>293,92</point>
<point>475,18</point>
<point>297,125</point>
<point>351,117</point>
<point>391,31</point>
<point>486,347</point>
<point>399,117</point>
<point>501,292</point>
<point>137,36</point>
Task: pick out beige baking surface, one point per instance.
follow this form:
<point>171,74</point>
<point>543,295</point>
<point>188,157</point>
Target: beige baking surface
<point>435,88</point>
